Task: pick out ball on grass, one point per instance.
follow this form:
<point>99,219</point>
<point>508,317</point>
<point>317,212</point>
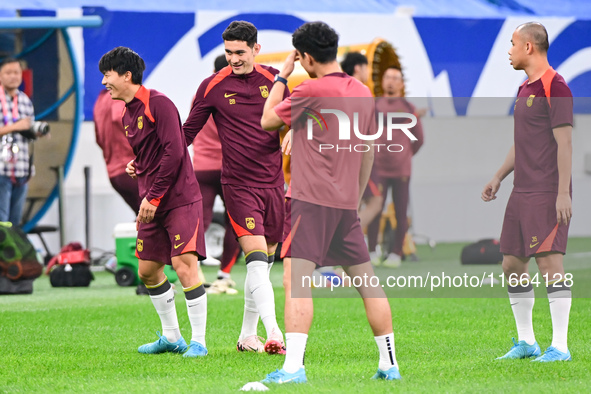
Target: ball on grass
<point>254,386</point>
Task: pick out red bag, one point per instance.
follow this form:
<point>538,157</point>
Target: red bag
<point>72,253</point>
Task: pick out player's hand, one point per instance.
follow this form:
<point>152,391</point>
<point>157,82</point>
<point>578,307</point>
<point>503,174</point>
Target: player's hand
<point>489,192</point>
<point>130,169</point>
<point>286,144</point>
<point>564,211</point>
<point>147,212</point>
<point>289,64</point>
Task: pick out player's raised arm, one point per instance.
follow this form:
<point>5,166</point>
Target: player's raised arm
<point>490,189</point>
<point>563,137</point>
<point>270,121</point>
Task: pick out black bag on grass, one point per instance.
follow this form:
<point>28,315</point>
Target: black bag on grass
<point>485,251</point>
<point>70,267</point>
<point>71,275</point>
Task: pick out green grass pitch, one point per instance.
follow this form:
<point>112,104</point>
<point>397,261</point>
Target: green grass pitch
<point>86,339</point>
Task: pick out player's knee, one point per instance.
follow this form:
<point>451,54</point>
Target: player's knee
<point>512,264</point>
<point>185,270</point>
<point>148,277</point>
<point>287,280</point>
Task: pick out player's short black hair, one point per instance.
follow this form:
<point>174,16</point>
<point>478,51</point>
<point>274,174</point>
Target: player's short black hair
<point>318,40</point>
<point>351,60</point>
<point>219,63</point>
<point>121,60</point>
<point>241,31</point>
<point>536,33</point>
<point>9,60</point>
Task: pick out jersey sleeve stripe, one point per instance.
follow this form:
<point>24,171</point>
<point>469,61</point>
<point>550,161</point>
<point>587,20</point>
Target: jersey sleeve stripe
<point>264,71</point>
<point>143,95</point>
<point>223,73</point>
<point>547,82</point>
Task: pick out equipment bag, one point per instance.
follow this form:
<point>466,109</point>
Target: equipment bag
<point>71,267</point>
<point>485,251</point>
<point>18,261</point>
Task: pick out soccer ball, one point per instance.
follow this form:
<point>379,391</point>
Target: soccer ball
<point>254,386</point>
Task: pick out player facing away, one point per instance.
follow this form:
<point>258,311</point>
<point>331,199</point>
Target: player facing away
<point>252,179</point>
<point>325,210</point>
<point>169,222</point>
<point>539,210</point>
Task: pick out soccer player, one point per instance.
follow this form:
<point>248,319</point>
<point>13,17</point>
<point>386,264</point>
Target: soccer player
<point>207,163</point>
<point>394,170</point>
<point>252,179</point>
<point>117,152</point>
<point>326,228</point>
<point>355,64</point>
<point>170,219</point>
<point>539,210</point>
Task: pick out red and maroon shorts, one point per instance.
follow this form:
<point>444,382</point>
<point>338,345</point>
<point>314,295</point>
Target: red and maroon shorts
<point>172,233</point>
<point>255,211</point>
<point>326,236</point>
<point>530,225</point>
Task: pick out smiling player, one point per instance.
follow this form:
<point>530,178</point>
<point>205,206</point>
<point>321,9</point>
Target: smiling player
<point>252,177</point>
<point>170,220</point>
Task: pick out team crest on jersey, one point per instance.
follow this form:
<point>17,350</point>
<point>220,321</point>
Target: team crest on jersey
<point>530,100</point>
<point>250,223</point>
<point>264,91</point>
<point>140,122</point>
<point>140,245</point>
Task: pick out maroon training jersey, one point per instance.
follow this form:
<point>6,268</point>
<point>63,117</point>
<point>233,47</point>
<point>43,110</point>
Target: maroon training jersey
<point>251,156</point>
<point>162,164</point>
<point>319,174</point>
<point>540,107</point>
<point>397,164</point>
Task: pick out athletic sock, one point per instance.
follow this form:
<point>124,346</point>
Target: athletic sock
<point>387,351</point>
<point>223,275</point>
<point>522,300</point>
<point>560,299</point>
<point>250,319</point>
<point>196,298</point>
<point>295,344</point>
<point>259,285</point>
<point>162,297</point>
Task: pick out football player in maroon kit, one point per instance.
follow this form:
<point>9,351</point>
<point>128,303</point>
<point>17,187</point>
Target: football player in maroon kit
<point>539,210</point>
